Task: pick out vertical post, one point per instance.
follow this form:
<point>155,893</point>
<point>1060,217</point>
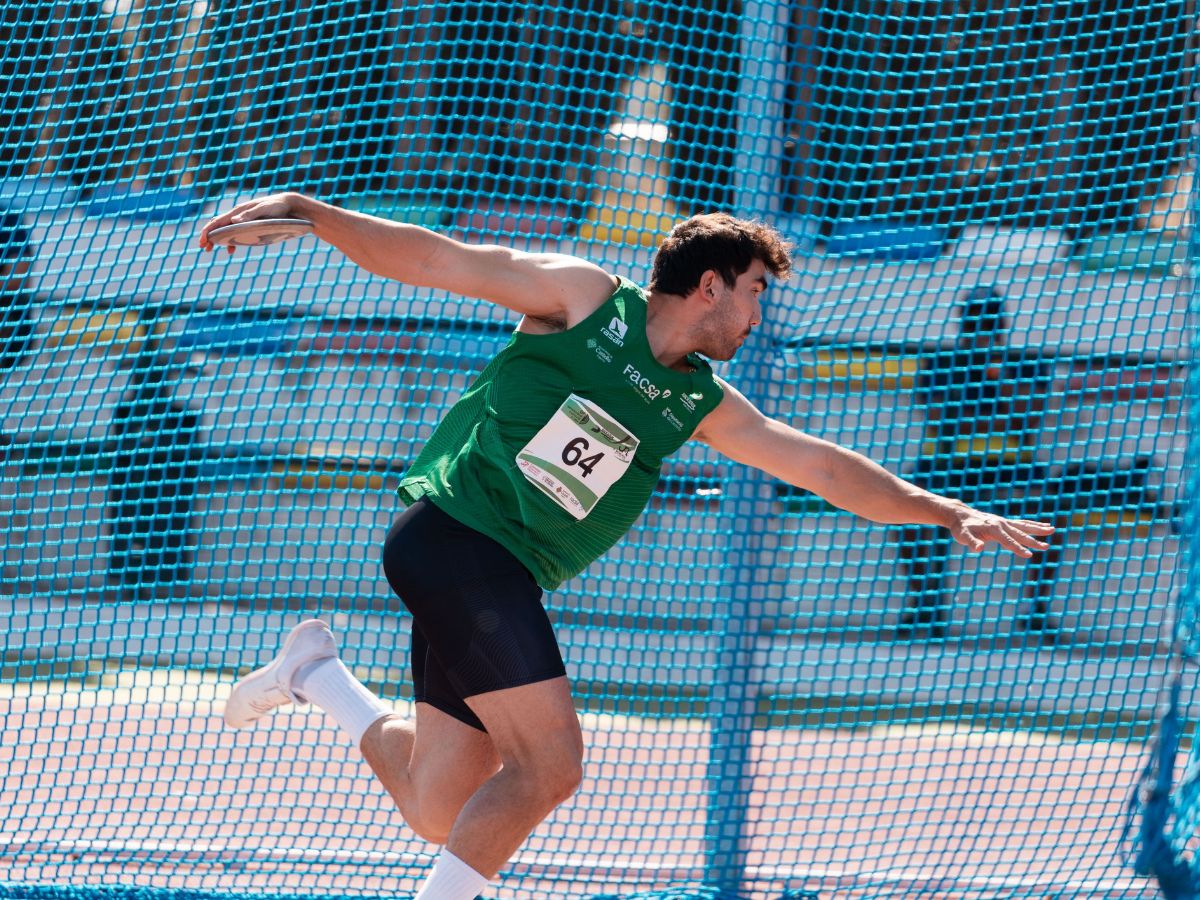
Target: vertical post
<point>733,704</point>
<point>1187,607</point>
<point>734,701</point>
<point>760,107</point>
<point>1158,801</point>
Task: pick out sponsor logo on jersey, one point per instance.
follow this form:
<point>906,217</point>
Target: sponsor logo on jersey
<point>675,421</point>
<point>616,331</point>
<point>601,353</point>
<point>650,391</point>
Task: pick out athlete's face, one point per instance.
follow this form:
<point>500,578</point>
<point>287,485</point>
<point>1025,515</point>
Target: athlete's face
<point>737,310</point>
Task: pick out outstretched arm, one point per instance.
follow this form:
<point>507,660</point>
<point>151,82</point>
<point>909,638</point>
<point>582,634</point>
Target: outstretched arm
<point>549,286</point>
<point>850,481</point>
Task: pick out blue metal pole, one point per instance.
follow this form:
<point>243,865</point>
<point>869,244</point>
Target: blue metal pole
<point>734,699</point>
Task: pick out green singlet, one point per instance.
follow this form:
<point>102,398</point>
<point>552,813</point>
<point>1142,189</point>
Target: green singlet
<point>556,447</point>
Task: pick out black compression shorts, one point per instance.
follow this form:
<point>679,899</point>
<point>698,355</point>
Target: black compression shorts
<point>478,620</point>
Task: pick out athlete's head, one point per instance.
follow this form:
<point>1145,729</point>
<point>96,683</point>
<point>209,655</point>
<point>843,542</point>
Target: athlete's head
<point>720,264</point>
<point>720,243</point>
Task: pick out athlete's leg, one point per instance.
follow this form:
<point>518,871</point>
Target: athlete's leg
<point>536,734</point>
<point>486,657</point>
<point>430,777</point>
<point>430,766</point>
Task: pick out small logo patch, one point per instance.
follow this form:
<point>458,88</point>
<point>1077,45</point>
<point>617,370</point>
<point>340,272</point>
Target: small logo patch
<point>616,331</point>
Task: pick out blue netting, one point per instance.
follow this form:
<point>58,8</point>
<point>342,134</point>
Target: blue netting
<point>779,699</point>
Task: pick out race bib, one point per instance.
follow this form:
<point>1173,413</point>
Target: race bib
<point>578,455</point>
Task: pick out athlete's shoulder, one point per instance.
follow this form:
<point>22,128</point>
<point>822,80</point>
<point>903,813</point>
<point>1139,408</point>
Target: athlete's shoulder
<point>594,293</point>
<point>573,286</point>
<point>569,290</point>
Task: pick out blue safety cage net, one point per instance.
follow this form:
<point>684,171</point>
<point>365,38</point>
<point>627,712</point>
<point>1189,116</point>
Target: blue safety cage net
<point>991,207</point>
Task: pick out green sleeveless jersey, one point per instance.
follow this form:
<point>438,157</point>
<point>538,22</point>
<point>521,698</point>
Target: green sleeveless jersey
<point>556,447</point>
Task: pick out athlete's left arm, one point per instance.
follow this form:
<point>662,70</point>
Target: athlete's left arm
<point>738,430</point>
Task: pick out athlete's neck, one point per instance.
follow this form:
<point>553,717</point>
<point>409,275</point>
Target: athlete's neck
<point>668,331</point>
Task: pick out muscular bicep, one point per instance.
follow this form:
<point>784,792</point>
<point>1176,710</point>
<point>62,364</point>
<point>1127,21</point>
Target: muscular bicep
<point>546,286</point>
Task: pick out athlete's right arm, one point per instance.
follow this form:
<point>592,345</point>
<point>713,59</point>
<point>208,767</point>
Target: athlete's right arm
<point>541,285</point>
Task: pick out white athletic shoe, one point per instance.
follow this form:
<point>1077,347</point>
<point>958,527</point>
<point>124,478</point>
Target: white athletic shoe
<point>265,690</point>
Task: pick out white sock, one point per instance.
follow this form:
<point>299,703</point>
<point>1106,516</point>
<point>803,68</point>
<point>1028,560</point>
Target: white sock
<point>451,879</point>
<point>331,686</point>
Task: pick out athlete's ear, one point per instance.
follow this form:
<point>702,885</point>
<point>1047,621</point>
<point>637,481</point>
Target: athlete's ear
<point>710,285</point>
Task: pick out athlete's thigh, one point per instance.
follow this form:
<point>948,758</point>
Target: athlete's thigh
<point>476,606</point>
<point>534,723</point>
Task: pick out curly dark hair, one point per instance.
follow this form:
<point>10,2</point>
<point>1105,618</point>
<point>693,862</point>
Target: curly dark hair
<point>722,243</point>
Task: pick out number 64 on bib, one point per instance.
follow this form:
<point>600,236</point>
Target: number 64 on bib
<point>578,455</point>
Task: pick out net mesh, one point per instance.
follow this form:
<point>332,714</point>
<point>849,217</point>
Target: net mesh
<point>779,700</point>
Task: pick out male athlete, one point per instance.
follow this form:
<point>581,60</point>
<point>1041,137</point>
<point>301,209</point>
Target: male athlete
<point>541,466</point>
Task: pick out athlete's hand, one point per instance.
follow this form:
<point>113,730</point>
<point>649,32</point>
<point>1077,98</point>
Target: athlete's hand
<point>273,206</point>
<point>975,529</point>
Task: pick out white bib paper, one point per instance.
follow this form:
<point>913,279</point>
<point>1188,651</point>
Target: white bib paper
<point>578,455</point>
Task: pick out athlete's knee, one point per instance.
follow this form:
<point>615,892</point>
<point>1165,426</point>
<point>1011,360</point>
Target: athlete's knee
<point>554,770</point>
<point>564,781</point>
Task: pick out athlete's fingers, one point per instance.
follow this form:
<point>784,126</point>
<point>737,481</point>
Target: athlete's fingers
<point>1006,539</point>
<point>275,206</point>
<point>1024,539</point>
<point>969,540</point>
<point>1005,532</point>
<point>1017,530</point>
<point>1034,526</point>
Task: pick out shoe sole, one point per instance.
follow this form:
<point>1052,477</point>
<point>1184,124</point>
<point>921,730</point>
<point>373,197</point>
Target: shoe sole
<point>267,672</point>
